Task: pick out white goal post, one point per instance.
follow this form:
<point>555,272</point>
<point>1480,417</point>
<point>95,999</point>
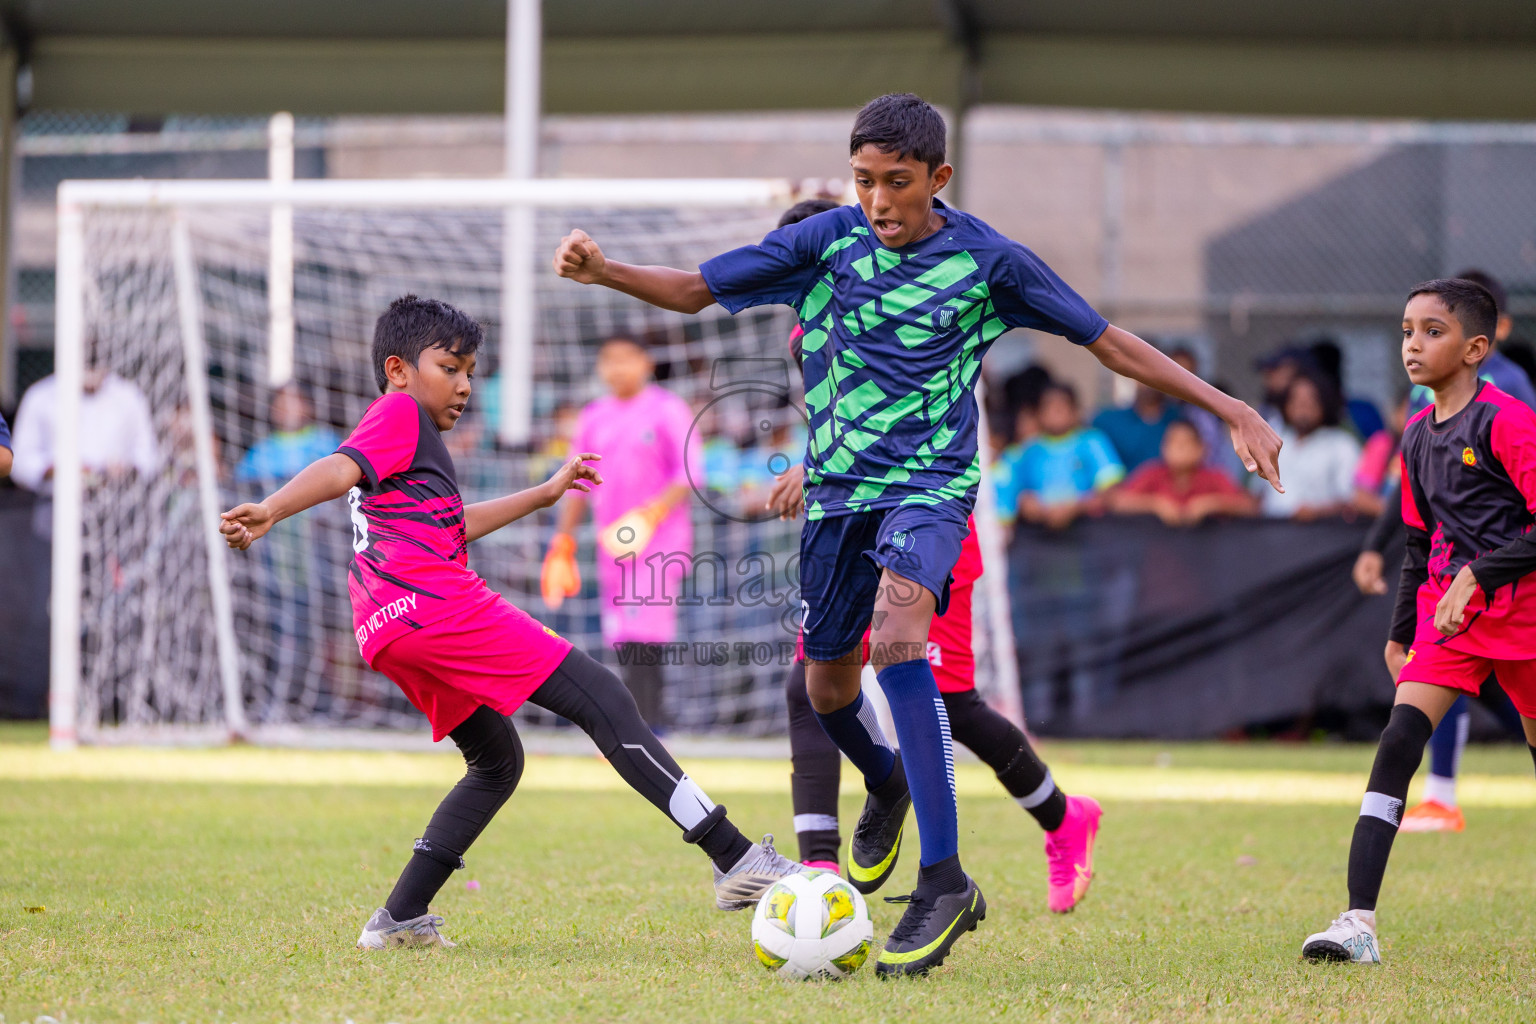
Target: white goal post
<point>90,301</point>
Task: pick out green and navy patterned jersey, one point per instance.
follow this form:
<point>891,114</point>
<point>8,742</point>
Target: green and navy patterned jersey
<point>893,345</point>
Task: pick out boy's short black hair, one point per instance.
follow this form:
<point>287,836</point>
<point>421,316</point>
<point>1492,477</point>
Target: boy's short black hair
<point>806,208</point>
<point>1494,285</point>
<point>900,123</point>
<point>1472,304</point>
<point>410,326</point>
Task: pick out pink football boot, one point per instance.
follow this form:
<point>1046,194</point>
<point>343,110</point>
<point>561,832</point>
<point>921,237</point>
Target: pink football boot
<point>1069,853</point>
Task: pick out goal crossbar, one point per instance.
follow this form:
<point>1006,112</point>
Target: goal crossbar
<point>486,193</point>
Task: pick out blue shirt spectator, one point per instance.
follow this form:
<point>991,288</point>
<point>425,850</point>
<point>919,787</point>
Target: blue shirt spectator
<point>294,443</point>
<point>1062,470</point>
<point>1137,431</point>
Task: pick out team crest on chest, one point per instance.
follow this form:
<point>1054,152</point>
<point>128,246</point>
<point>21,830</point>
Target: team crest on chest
<point>944,317</point>
<point>1468,457</point>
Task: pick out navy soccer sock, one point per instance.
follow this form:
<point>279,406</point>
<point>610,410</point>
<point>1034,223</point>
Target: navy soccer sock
<point>857,733</point>
<point>922,727</point>
<point>1445,744</point>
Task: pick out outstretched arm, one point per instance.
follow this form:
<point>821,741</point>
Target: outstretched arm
<point>320,481</point>
<point>485,517</point>
<point>1255,441</point>
<point>681,291</point>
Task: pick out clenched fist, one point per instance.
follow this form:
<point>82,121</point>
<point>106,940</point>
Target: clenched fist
<point>579,259</point>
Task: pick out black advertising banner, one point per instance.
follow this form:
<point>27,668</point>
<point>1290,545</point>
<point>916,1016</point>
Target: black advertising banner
<point>1129,628</point>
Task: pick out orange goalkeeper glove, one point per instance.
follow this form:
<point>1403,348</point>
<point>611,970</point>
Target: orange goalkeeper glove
<point>560,578</point>
<point>632,531</point>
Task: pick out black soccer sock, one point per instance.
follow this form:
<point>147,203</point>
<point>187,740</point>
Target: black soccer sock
<point>591,696</point>
<point>1397,758</point>
<point>1004,748</point>
<point>816,768</point>
<point>940,878</point>
<point>493,763</point>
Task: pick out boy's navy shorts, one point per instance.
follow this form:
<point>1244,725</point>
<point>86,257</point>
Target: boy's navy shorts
<point>841,558</point>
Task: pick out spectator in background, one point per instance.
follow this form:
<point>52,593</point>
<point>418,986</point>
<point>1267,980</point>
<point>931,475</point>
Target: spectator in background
<point>5,448</point>
<point>1504,372</point>
<point>1136,431</point>
<point>117,444</point>
<point>1179,488</point>
<point>1379,471</point>
<point>1276,371</point>
<point>1063,473</point>
<point>295,441</point>
<point>1214,435</point>
<point>1359,414</point>
<point>1318,457</point>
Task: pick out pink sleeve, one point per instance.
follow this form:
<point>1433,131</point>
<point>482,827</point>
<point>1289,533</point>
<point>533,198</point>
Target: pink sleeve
<point>384,443</point>
<point>1374,461</point>
<point>1512,436</point>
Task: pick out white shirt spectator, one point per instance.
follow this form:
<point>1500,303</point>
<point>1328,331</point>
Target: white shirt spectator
<point>116,432</point>
<point>1318,469</point>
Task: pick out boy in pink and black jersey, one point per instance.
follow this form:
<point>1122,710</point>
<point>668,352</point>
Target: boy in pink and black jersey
<point>463,655</point>
<point>1465,606</point>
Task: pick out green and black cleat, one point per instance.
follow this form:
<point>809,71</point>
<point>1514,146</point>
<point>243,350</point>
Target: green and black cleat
<point>876,838</point>
<point>922,938</point>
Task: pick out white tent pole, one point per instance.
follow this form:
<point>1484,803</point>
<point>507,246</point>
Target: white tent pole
<point>280,256</point>
<point>68,489</point>
<point>189,310</point>
<point>524,46</point>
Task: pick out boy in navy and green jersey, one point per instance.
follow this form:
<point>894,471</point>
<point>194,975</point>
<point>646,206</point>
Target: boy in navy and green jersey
<point>900,297</point>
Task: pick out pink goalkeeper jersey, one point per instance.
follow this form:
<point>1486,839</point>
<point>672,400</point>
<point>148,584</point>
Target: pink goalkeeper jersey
<point>411,555</point>
<point>643,441</point>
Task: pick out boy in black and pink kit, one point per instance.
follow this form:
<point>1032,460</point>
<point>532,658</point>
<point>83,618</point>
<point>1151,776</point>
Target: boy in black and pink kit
<point>1464,607</point>
<point>464,656</point>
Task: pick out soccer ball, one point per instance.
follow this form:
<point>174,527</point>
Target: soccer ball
<point>812,926</point>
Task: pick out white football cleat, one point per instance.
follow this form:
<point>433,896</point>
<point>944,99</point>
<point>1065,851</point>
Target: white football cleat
<point>1351,937</point>
<point>383,931</point>
<point>752,875</point>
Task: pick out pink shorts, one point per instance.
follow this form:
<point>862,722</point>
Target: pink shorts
<point>1438,665</point>
<point>497,656</point>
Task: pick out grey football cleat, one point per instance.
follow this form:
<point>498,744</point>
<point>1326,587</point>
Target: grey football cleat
<point>743,885</point>
<point>383,931</point>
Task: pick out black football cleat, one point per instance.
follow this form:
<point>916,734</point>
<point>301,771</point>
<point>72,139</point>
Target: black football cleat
<point>922,938</point>
<point>876,841</point>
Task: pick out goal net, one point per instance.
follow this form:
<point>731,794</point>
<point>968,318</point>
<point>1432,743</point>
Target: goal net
<point>161,634</point>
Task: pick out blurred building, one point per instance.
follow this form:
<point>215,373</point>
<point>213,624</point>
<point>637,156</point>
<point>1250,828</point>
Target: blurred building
<point>1230,235</point>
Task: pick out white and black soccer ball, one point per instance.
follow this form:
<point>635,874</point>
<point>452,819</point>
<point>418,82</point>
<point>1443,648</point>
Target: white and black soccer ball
<point>814,925</point>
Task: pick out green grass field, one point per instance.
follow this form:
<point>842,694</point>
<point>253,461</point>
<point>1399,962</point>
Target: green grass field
<point>230,885</point>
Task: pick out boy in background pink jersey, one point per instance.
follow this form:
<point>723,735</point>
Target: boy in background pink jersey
<point>464,656</point>
<point>645,533</point>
